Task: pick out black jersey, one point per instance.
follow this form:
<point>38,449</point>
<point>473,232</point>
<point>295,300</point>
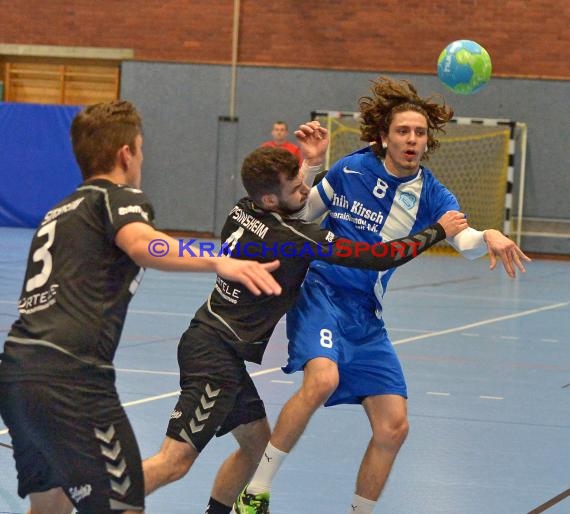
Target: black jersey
<point>247,321</point>
<point>77,286</point>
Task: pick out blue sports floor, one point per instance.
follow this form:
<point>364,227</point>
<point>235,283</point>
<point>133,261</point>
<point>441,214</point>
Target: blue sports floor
<point>487,361</point>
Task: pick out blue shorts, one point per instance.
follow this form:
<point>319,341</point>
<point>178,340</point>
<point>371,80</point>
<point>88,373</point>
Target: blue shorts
<point>342,327</point>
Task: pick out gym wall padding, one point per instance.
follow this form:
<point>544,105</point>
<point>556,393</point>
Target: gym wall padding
<point>37,166</point>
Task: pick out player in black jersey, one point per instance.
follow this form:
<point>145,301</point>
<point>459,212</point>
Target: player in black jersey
<point>72,441</point>
<point>218,396</point>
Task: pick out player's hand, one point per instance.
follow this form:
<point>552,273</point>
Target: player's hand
<point>313,141</point>
<point>254,275</point>
<point>453,222</point>
<point>501,247</point>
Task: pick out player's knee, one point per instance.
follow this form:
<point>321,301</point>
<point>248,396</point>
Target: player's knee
<point>253,438</point>
<point>169,464</point>
<point>52,509</point>
<point>317,390</point>
<point>179,467</point>
<point>391,434</point>
<point>53,501</point>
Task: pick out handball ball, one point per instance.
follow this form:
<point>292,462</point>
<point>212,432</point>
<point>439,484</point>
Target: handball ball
<point>464,67</point>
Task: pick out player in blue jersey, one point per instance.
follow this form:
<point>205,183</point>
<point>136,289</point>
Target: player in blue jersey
<point>232,326</point>
<point>336,331</point>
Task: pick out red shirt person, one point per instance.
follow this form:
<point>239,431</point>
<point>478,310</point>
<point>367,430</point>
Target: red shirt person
<point>279,133</point>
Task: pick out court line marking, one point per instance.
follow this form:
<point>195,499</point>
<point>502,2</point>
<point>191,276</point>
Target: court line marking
<point>481,323</point>
<point>417,330</point>
<point>401,341</point>
<point>174,393</point>
<point>177,392</point>
<point>148,371</point>
<point>493,300</point>
<point>161,313</point>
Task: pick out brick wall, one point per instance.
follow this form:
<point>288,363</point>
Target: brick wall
<point>526,38</point>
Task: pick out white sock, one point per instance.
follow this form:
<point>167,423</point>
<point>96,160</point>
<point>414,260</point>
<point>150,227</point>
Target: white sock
<point>268,467</point>
<point>360,505</point>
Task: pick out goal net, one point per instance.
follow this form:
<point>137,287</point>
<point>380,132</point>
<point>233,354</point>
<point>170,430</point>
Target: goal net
<point>475,161</point>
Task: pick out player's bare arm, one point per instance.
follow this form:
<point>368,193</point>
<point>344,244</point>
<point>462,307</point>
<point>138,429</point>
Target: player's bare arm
<point>134,239</point>
<point>453,222</point>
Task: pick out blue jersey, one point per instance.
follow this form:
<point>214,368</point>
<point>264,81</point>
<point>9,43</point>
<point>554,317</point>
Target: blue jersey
<point>368,204</point>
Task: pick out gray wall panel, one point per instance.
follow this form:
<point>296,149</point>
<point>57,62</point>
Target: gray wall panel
<point>181,105</point>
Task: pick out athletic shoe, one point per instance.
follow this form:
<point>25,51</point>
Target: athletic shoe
<point>251,503</point>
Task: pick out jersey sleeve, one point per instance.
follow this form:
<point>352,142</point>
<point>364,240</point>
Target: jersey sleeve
<point>127,205</point>
<point>442,200</point>
<point>381,256</point>
<point>330,182</point>
<point>314,243</point>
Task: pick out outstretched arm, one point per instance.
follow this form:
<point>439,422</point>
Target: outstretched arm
<point>474,243</point>
<point>501,247</point>
<point>138,240</point>
<point>385,255</point>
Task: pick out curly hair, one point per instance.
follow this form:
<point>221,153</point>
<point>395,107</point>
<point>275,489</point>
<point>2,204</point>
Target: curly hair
<point>390,97</point>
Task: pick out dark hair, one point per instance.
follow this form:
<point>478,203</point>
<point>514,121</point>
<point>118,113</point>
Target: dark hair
<point>262,169</point>
<point>99,131</point>
<point>390,97</point>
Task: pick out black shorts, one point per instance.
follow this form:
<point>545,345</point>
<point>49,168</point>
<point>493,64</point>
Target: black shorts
<point>76,437</point>
<point>217,393</point>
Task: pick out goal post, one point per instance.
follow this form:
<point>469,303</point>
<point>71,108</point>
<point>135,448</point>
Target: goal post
<point>476,161</point>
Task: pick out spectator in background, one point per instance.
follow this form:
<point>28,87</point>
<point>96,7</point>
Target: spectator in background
<point>279,133</point>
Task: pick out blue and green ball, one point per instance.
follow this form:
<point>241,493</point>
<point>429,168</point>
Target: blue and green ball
<point>464,66</point>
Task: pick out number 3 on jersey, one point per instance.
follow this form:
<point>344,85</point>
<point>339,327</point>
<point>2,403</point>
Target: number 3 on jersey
<point>326,338</point>
<point>42,255</point>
